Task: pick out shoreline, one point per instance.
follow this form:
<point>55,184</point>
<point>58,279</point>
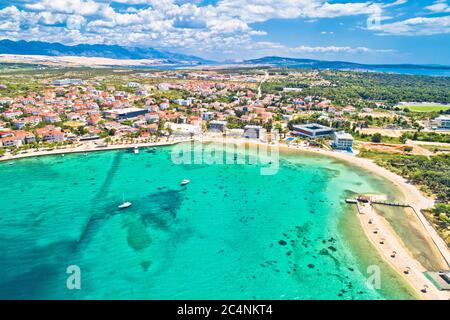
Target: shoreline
<point>89,147</point>
<point>412,196</point>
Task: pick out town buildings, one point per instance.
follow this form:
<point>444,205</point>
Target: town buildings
<point>218,126</point>
<point>342,141</point>
<point>442,122</point>
<point>124,113</point>
<point>255,132</point>
<point>312,130</point>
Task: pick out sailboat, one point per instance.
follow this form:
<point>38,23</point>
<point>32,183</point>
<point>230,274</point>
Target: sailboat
<point>184,182</point>
<point>124,204</point>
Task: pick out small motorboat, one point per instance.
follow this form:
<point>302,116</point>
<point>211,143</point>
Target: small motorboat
<point>184,182</point>
<point>136,150</point>
<point>125,205</point>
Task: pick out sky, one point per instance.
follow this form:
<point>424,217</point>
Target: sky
<point>366,31</point>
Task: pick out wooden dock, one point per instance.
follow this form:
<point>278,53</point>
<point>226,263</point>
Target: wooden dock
<point>364,204</point>
<point>361,199</point>
<point>394,204</point>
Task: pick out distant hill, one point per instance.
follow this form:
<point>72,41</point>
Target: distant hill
<point>96,50</point>
<point>321,64</point>
<point>170,58</point>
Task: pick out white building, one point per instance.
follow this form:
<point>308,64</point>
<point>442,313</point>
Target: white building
<point>164,106</point>
<point>255,132</point>
<point>184,102</point>
<point>163,86</point>
<point>206,116</point>
<point>181,129</point>
<point>152,117</point>
<point>442,122</point>
<point>218,125</point>
<point>343,141</point>
<point>68,82</point>
<point>292,89</point>
<point>133,85</point>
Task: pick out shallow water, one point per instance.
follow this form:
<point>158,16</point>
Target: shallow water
<point>231,233</point>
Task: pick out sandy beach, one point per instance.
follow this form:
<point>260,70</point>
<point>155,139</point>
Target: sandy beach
<point>88,147</point>
<point>385,240</point>
<point>391,248</point>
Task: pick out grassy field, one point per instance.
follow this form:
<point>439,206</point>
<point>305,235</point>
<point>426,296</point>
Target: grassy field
<point>426,108</point>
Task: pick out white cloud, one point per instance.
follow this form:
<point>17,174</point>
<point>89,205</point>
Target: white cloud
<point>336,49</point>
<point>75,22</point>
<point>439,7</point>
<point>395,3</point>
<point>416,26</point>
<point>187,25</point>
<point>80,7</point>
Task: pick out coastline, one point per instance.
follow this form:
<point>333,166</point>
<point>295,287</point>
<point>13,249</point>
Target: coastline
<point>89,147</point>
<point>412,195</point>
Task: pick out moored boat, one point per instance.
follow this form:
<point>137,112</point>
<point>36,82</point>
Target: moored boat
<point>125,204</point>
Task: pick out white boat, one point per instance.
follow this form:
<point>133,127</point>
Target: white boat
<point>185,182</point>
<point>124,204</point>
<point>136,150</point>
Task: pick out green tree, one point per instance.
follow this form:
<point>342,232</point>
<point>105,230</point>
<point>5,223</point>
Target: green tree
<point>408,149</point>
<point>377,137</point>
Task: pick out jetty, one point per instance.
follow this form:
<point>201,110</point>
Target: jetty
<point>362,201</point>
<point>393,204</point>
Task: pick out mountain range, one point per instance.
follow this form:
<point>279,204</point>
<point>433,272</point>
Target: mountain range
<point>95,50</point>
<point>169,58</point>
<point>322,64</point>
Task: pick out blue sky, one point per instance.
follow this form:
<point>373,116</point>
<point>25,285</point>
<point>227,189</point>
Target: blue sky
<point>382,31</point>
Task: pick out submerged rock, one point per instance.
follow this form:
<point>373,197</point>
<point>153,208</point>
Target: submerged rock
<point>145,265</point>
<point>137,236</point>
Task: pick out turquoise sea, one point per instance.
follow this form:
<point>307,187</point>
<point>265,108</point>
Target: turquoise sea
<point>232,233</point>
